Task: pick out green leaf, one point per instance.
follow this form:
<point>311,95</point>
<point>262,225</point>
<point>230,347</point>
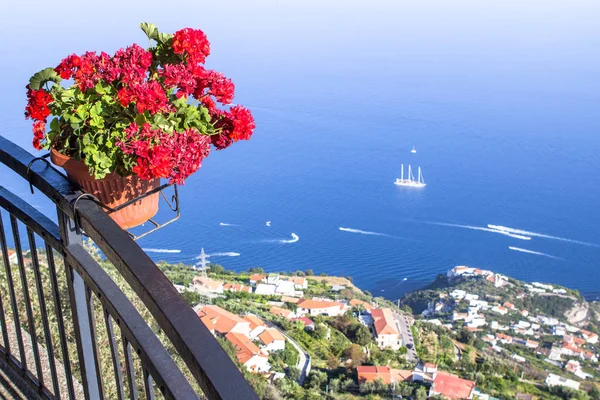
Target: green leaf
<point>40,78</point>
<point>82,112</point>
<point>150,30</point>
<point>140,119</point>
<point>67,95</point>
<point>164,38</point>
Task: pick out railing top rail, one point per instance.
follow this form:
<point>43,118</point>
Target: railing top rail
<point>218,377</point>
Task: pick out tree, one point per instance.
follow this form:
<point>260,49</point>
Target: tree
<point>320,332</point>
<point>299,273</point>
<point>403,350</point>
<point>217,268</point>
<point>421,394</point>
<point>316,379</point>
<point>322,274</point>
<point>192,298</point>
<point>361,335</point>
<point>293,373</point>
<point>332,361</point>
<point>466,337</point>
<point>256,270</point>
<point>309,272</point>
<point>355,355</point>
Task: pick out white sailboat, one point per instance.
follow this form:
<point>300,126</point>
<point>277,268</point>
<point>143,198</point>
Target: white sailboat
<point>414,150</point>
<point>410,178</point>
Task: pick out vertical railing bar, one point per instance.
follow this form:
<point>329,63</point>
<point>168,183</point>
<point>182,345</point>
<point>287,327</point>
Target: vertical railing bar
<point>59,320</point>
<point>2,316</point>
<point>79,310</point>
<point>148,385</point>
<point>114,355</point>
<point>18,250</point>
<point>94,338</point>
<point>27,300</point>
<point>72,305</point>
<point>133,395</point>
<point>41,299</point>
<point>13,298</point>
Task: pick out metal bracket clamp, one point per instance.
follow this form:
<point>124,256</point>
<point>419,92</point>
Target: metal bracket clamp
<point>74,208</point>
<point>41,158</point>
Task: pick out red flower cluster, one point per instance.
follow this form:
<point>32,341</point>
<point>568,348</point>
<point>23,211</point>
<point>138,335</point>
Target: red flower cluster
<point>37,109</point>
<point>147,96</point>
<point>193,43</point>
<point>150,80</point>
<point>213,83</point>
<point>132,64</point>
<point>39,132</point>
<point>235,124</point>
<point>37,104</point>
<point>175,156</point>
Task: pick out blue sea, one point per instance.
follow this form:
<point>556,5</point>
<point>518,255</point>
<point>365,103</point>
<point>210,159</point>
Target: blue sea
<point>500,98</point>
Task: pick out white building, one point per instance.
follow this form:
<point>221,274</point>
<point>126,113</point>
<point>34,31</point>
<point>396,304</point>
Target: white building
<point>559,330</point>
<point>320,307</point>
<point>272,340</point>
<point>265,289</point>
<point>556,380</point>
<point>286,288</point>
<point>273,279</point>
<point>519,358</point>
<point>575,367</point>
<point>500,310</point>
<point>386,331</point>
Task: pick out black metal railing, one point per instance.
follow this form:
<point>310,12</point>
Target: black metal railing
<point>70,330</point>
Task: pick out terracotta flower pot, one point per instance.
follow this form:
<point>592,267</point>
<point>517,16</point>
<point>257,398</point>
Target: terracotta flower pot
<point>113,190</point>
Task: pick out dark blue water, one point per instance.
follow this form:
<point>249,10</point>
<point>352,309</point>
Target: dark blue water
<point>500,98</point>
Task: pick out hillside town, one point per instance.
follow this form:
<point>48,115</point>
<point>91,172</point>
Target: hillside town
<point>471,334</point>
<point>261,316</point>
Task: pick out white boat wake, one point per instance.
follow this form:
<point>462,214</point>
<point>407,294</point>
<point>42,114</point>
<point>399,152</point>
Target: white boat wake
<point>224,224</point>
<point>294,239</point>
<point>481,228</point>
<point>352,230</point>
<point>537,253</point>
<point>224,254</point>
<point>540,235</point>
<point>149,250</point>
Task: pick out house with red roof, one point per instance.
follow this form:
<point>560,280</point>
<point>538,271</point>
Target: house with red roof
<point>12,256</point>
<point>282,312</point>
<point>236,287</point>
<point>590,337</point>
<point>203,284</point>
<point>272,340</point>
<point>359,303</point>
<point>255,278</point>
<point>451,387</point>
<point>300,282</point>
<point>368,373</point>
<point>386,331</point>
<point>248,353</point>
<point>320,307</point>
<point>221,322</point>
<point>257,325</point>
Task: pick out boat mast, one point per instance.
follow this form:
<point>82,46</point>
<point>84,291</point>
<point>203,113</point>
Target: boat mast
<point>402,173</point>
<point>409,173</point>
<point>419,179</point>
